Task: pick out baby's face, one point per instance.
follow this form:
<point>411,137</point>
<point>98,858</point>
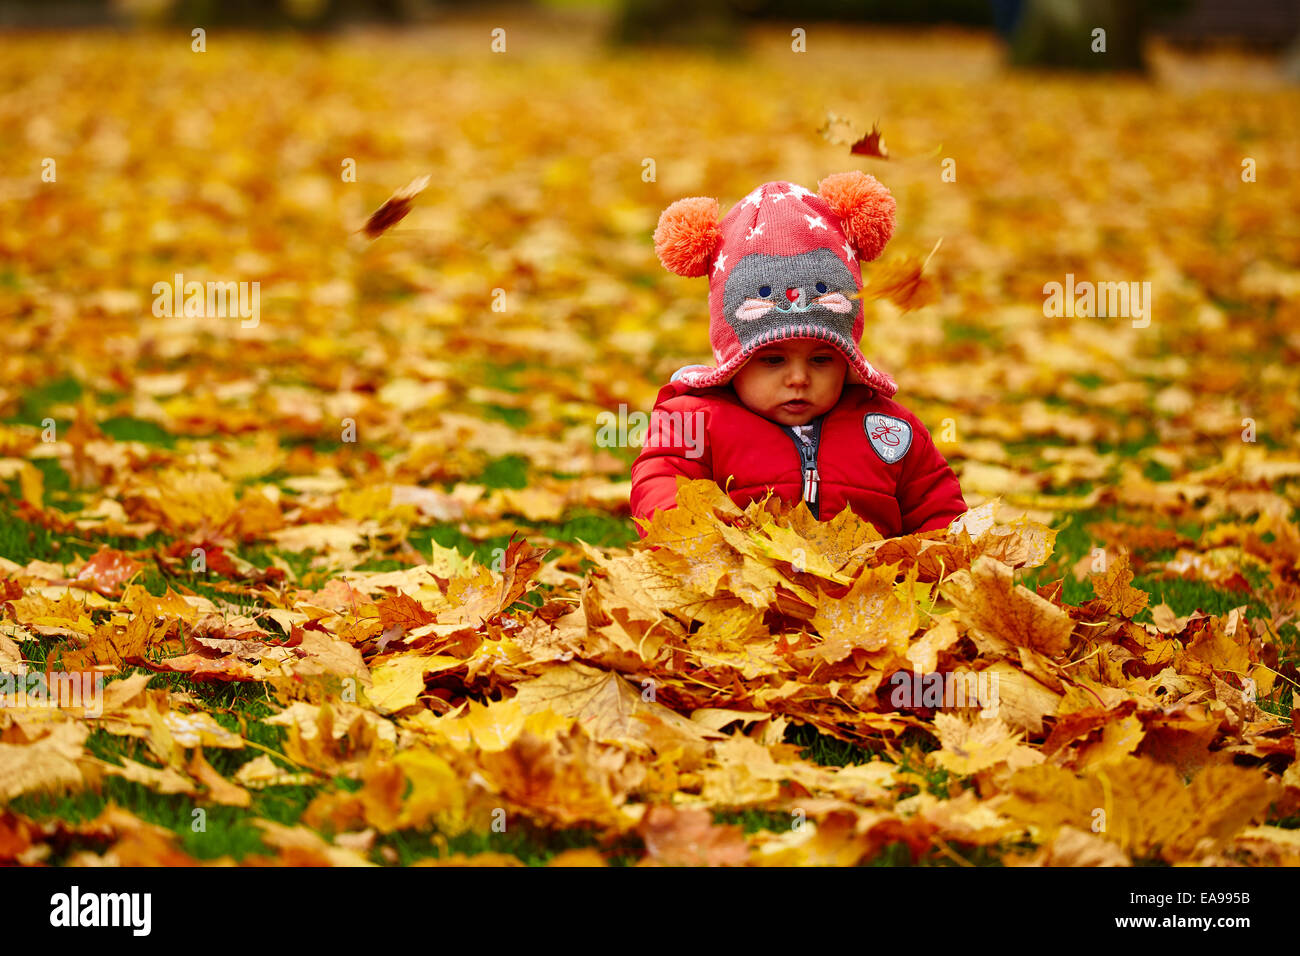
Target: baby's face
<point>792,382</point>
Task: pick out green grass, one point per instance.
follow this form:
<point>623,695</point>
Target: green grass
<point>520,839</point>
<point>261,556</point>
<point>514,417</point>
<point>55,478</point>
<point>124,428</point>
<point>226,830</point>
<point>501,377</point>
<point>35,403</point>
<point>508,472</point>
<point>321,444</point>
<point>1154,471</point>
<point>957,332</point>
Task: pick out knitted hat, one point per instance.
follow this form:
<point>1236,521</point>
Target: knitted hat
<point>781,265</point>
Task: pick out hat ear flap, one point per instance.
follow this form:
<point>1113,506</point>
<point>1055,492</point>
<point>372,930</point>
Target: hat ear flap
<point>687,236</point>
<point>865,208</point>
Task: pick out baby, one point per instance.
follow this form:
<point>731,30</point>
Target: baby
<point>792,405</point>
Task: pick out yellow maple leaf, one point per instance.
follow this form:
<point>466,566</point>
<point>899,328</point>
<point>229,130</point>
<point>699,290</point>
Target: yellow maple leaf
<point>873,615</point>
<point>1142,805</point>
<point>979,743</point>
<point>49,763</point>
<point>1114,588</point>
<point>399,681</point>
<point>605,704</point>
<point>437,794</point>
<point>1002,615</point>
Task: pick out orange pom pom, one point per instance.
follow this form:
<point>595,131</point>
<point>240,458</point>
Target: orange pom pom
<point>687,236</point>
<point>864,207</point>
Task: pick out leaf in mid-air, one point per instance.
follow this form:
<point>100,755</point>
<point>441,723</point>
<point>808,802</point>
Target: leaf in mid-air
<point>872,144</point>
<point>903,282</point>
<point>395,208</point>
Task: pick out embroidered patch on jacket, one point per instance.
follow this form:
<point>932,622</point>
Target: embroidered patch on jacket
<point>891,437</point>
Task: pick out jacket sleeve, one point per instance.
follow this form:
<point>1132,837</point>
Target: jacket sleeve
<point>929,496</point>
<point>676,443</point>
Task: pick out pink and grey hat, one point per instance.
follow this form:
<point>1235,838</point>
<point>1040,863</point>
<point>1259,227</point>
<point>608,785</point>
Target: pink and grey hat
<point>781,265</point>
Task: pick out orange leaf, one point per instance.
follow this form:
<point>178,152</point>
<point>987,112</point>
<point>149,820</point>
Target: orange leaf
<point>903,283</point>
<point>1115,590</point>
<point>107,570</point>
<point>403,611</point>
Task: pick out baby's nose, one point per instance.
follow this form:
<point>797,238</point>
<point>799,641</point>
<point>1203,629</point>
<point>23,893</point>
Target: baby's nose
<point>792,294</point>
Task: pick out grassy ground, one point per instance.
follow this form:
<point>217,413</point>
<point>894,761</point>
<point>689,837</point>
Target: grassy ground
<point>240,706</point>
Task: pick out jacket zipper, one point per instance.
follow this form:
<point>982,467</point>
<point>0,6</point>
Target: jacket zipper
<point>808,463</point>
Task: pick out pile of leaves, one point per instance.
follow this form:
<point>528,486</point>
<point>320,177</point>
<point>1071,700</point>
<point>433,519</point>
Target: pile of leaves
<point>639,697</point>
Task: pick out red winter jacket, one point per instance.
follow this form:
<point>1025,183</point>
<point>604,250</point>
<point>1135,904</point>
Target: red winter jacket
<point>886,468</point>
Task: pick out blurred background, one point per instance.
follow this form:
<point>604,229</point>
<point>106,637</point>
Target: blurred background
<point>1039,30</point>
<point>475,345</point>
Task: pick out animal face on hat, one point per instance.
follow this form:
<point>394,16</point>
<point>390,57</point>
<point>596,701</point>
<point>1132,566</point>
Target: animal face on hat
<point>782,265</point>
<point>765,294</point>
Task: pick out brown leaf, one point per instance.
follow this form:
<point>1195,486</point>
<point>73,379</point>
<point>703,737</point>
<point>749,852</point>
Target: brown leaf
<point>874,614</point>
<point>872,144</point>
<point>395,208</point>
<point>840,131</point>
<point>519,566</point>
<point>609,708</point>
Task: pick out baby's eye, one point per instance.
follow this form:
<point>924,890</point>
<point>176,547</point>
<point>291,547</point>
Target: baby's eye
<point>823,359</point>
<point>765,291</point>
<point>770,359</point>
<point>821,287</point>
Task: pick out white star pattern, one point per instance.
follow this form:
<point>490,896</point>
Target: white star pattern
<point>720,262</point>
<point>798,191</point>
<point>755,231</point>
<point>753,198</point>
<point>815,222</point>
<point>777,196</point>
<point>848,251</point>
